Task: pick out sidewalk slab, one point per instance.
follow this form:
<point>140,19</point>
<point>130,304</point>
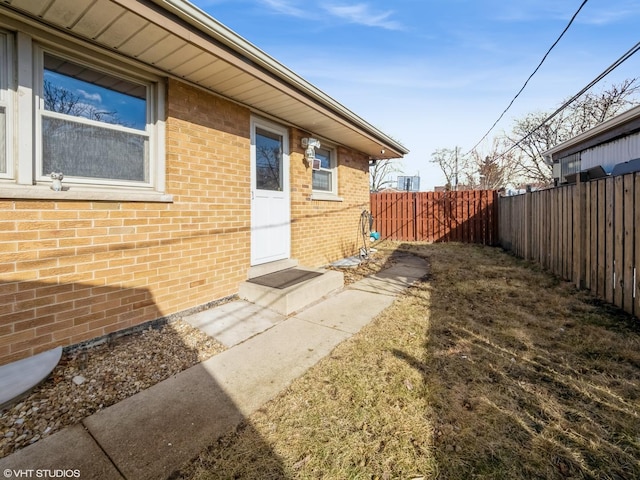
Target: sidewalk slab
<point>234,322</point>
<point>395,279</point>
<point>408,273</point>
<point>409,260</point>
<point>348,311</point>
<point>257,370</point>
<point>149,435</point>
<point>392,286</point>
<point>69,449</point>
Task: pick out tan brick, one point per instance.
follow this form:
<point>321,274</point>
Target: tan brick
<point>33,323</point>
<point>6,329</point>
<point>17,337</point>
<point>65,333</point>
<point>169,257</point>
<point>15,356</point>
<point>54,327</point>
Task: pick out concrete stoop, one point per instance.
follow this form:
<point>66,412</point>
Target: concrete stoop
<point>296,297</point>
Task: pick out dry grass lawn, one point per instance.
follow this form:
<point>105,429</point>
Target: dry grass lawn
<point>488,368</point>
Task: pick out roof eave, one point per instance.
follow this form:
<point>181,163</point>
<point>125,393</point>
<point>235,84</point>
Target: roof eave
<point>199,19</point>
<point>594,132</point>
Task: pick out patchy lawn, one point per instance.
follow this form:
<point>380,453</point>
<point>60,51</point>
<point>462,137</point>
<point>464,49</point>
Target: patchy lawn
<point>489,368</point>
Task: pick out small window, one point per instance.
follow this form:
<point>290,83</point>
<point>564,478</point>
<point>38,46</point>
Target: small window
<point>93,124</point>
<point>569,165</point>
<point>324,177</point>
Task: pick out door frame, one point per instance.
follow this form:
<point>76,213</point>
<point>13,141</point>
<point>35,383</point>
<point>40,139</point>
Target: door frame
<point>257,122</point>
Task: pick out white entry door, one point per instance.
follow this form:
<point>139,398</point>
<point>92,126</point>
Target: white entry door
<point>270,197</point>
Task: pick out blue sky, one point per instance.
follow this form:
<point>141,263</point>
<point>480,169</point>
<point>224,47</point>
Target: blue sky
<point>437,73</point>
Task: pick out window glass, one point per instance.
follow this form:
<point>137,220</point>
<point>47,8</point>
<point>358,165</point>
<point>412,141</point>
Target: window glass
<point>570,164</point>
<point>79,91</point>
<point>90,131</point>
<point>89,151</point>
<point>268,160</point>
<point>324,156</point>
<point>322,179</point>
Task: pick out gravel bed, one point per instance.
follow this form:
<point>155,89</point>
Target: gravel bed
<point>87,381</point>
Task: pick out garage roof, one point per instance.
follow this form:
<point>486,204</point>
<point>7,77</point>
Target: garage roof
<point>619,126</point>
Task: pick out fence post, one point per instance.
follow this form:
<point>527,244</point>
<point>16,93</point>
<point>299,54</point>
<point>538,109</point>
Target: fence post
<point>579,234</point>
<point>527,227</point>
<point>415,216</point>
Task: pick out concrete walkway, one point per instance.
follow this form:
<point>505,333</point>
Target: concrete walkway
<point>151,434</point>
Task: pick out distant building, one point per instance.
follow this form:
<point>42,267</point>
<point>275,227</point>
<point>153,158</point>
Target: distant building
<point>447,188</point>
<point>604,146</point>
<point>408,184</point>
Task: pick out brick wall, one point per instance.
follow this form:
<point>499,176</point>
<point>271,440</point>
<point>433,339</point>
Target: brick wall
<point>72,271</point>
<point>325,231</point>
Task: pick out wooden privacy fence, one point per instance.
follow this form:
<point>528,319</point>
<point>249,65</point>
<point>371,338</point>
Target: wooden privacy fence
<point>465,216</point>
<point>585,233</point>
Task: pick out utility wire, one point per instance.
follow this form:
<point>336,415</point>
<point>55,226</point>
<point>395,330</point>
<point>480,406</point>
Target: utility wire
<point>530,77</point>
<point>606,72</point>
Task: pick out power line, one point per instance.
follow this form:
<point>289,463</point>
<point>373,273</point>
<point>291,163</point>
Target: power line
<point>530,77</point>
<point>606,72</point>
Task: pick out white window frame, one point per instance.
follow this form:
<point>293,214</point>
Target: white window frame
<point>41,176</point>
<point>28,181</point>
<point>333,193</point>
<point>6,100</point>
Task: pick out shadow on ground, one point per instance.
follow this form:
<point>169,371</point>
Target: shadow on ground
<point>525,376</point>
<point>120,422</point>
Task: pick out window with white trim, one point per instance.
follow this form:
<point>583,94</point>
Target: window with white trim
<point>324,179</point>
<point>69,109</point>
<point>93,125</point>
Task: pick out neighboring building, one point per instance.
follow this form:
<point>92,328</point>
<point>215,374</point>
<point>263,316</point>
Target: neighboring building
<point>612,142</point>
<point>408,184</point>
<point>181,149</point>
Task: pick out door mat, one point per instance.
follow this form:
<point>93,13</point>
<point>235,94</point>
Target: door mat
<point>285,278</point>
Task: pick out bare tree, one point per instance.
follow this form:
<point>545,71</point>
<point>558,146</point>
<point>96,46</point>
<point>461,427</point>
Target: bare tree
<point>268,167</point>
<point>380,173</point>
<point>593,108</point>
<point>530,137</point>
<point>492,170</point>
<point>453,165</point>
<point>61,100</point>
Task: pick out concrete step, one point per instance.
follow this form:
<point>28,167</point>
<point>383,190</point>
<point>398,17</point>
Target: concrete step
<point>271,267</point>
<point>296,297</point>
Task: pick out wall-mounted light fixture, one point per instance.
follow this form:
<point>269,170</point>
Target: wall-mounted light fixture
<point>310,145</point>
